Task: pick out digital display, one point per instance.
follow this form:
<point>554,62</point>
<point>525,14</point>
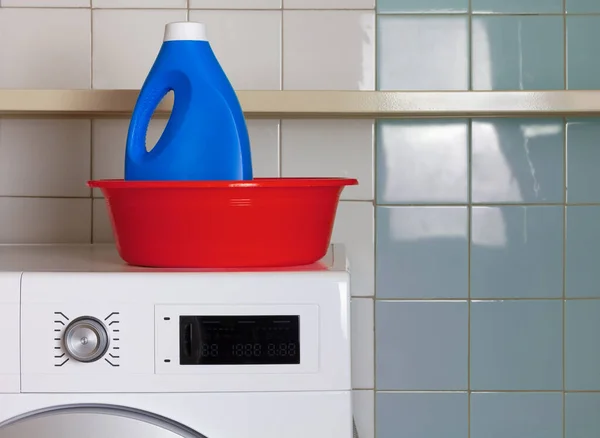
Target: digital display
<point>239,340</point>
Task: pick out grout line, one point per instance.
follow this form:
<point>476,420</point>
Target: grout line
<point>91,48</point>
<point>470,56</point>
<point>482,299</point>
<point>485,391</point>
<point>92,128</point>
<point>565,52</point>
<point>564,273</point>
<point>469,239</point>
<point>187,10</point>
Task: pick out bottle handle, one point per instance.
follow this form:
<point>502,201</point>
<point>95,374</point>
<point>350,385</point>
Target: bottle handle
<point>148,100</point>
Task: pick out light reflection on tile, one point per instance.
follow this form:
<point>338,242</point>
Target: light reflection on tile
<point>517,160</point>
<point>518,53</point>
<point>424,6</point>
<point>518,6</point>
<point>583,156</point>
<point>422,52</point>
<point>318,58</point>
<point>517,252</point>
<point>422,252</point>
<point>422,161</point>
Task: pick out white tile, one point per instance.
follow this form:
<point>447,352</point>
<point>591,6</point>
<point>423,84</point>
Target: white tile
<point>235,4</point>
<point>102,229</point>
<point>329,50</point>
<point>363,406</point>
<point>330,148</point>
<point>147,4</point>
<point>45,220</point>
<point>109,137</point>
<point>46,3</point>
<point>247,45</point>
<point>45,48</point>
<point>126,43</point>
<point>264,141</point>
<point>421,52</point>
<point>363,349</point>
<point>44,157</point>
<point>329,4</point>
<point>354,227</point>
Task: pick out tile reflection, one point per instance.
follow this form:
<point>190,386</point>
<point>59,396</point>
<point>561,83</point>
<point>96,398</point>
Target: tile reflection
<point>320,59</point>
<point>422,252</point>
<point>517,252</point>
<point>422,161</point>
<point>583,156</point>
<point>517,160</point>
<point>424,6</point>
<point>518,53</point>
<point>422,52</point>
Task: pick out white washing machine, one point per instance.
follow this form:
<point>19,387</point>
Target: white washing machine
<point>90,347</point>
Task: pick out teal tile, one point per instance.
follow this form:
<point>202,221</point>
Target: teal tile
<point>516,415</point>
<point>583,156</point>
<point>418,415</point>
<point>582,252</point>
<point>582,7</point>
<point>517,252</point>
<point>422,52</point>
<point>581,415</point>
<point>518,6</point>
<point>424,6</point>
<point>414,337</point>
<point>516,345</point>
<point>422,252</point>
<point>582,348</point>
<point>518,53</point>
<point>583,52</point>
<point>422,161</point>
<point>517,160</point>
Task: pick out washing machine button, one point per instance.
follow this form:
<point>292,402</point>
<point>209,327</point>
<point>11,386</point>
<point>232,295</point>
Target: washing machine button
<point>86,339</point>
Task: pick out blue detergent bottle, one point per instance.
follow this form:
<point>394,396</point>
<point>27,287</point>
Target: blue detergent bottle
<point>206,137</point>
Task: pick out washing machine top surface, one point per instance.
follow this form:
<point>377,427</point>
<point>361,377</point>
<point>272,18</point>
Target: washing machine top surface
<point>104,258</point>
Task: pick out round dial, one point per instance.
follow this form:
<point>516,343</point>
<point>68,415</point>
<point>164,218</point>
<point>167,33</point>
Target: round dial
<point>86,339</point>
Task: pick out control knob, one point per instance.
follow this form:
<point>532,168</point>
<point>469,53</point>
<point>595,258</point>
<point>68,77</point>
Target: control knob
<point>86,339</point>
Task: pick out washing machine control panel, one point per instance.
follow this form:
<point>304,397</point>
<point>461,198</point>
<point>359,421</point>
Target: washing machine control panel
<point>184,332</point>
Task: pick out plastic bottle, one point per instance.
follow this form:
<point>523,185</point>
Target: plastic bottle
<point>206,137</point>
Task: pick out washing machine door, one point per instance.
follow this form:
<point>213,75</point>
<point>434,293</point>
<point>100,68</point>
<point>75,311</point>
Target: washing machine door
<point>94,421</point>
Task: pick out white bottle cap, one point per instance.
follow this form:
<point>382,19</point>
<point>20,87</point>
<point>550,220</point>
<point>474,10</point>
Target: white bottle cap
<point>185,31</point>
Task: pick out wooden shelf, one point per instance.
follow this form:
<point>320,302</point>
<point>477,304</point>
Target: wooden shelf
<point>316,104</point>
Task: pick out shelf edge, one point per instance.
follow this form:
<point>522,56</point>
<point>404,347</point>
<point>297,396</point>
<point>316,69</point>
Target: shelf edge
<point>317,104</point>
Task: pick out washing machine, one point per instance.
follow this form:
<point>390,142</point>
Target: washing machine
<point>91,347</point>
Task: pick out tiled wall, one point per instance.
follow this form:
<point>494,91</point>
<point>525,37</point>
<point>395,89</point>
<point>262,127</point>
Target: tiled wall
<point>478,242</point>
<point>487,268</point>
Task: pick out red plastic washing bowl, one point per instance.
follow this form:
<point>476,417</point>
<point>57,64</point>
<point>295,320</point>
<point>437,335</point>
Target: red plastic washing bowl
<point>265,222</point>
